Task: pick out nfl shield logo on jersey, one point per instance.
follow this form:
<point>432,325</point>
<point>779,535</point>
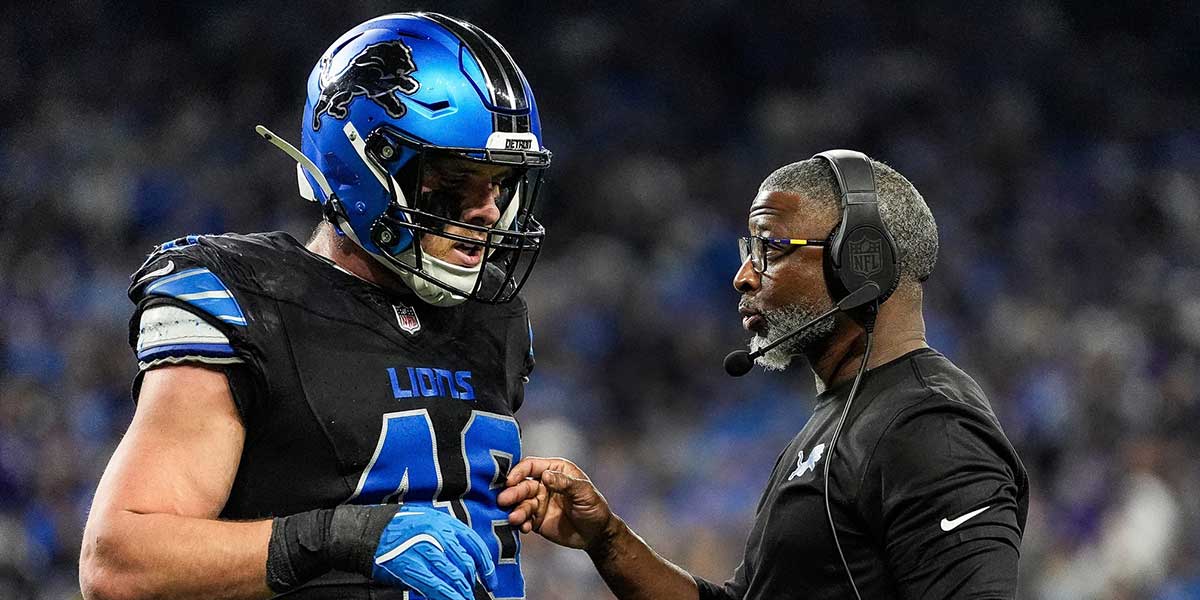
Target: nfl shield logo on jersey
<point>407,318</point>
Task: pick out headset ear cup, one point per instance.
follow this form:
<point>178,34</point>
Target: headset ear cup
<point>860,249</point>
<point>868,255</point>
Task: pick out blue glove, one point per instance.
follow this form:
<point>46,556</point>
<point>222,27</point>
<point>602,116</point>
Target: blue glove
<point>417,547</point>
<point>433,553</point>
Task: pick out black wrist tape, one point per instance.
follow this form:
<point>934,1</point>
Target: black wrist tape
<point>354,536</point>
<point>308,544</point>
<point>297,551</point>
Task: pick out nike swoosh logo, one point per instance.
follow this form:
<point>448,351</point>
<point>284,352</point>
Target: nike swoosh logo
<point>159,272</point>
<point>948,525</point>
<point>409,543</point>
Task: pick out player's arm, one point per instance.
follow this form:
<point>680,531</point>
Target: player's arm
<point>555,498</point>
<point>152,530</point>
<point>946,494</point>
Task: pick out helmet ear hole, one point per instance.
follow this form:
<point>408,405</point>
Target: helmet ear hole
<point>381,148</point>
<point>384,236</point>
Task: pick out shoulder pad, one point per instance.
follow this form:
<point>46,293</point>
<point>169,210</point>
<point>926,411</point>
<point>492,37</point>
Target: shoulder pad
<point>200,288</point>
<point>182,242</point>
<point>162,249</point>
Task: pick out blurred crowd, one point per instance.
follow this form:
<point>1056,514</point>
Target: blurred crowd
<point>1057,145</point>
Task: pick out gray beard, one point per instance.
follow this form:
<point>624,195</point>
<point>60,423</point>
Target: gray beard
<point>783,320</point>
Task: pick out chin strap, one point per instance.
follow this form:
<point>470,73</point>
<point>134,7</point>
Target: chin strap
<point>431,293</point>
<point>458,276</point>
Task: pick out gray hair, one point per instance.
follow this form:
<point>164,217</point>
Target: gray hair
<point>901,207</point>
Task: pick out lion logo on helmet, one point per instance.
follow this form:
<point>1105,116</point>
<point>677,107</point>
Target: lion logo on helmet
<point>378,72</point>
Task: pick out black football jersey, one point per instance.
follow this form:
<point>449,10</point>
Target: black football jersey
<point>928,496</point>
<point>348,393</point>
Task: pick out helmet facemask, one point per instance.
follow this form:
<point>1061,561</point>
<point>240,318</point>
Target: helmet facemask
<point>423,225</point>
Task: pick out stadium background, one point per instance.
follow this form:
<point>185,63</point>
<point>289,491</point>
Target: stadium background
<point>1057,146</point>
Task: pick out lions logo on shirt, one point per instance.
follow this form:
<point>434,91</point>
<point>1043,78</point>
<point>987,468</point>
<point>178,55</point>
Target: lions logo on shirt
<point>804,466</point>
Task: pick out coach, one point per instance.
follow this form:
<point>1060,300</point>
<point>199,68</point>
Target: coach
<point>901,484</point>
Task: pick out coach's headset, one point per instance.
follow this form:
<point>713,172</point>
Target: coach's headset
<point>861,252</point>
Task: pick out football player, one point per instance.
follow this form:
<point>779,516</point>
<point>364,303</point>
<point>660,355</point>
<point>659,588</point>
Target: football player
<point>335,420</point>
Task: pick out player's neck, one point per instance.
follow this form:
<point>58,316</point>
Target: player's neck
<point>899,329</point>
<point>351,258</point>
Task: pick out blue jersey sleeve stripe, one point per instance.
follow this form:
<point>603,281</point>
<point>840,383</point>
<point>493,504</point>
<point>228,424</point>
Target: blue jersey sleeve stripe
<point>220,308</point>
<point>170,280</point>
<point>200,288</point>
<point>180,350</point>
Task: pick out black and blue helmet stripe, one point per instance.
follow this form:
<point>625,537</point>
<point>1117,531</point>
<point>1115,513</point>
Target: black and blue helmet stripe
<point>505,82</point>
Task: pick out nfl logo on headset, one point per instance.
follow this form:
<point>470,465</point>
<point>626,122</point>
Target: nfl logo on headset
<point>865,256</point>
<point>407,318</point>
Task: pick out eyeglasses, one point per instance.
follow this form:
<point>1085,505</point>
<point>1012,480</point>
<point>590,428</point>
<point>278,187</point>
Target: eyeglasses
<point>758,249</point>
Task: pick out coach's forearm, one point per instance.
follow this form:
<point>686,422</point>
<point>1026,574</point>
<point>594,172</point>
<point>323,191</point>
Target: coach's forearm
<point>128,555</point>
<point>634,571</point>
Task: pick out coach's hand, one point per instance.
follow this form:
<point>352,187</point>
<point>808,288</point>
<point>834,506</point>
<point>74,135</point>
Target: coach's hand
<point>555,498</point>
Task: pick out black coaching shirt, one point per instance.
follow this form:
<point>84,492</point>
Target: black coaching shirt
<point>928,496</point>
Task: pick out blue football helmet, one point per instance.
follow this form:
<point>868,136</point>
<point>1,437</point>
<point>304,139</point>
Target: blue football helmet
<point>388,100</point>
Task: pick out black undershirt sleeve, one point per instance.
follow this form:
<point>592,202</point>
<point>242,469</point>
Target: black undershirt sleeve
<point>942,489</point>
